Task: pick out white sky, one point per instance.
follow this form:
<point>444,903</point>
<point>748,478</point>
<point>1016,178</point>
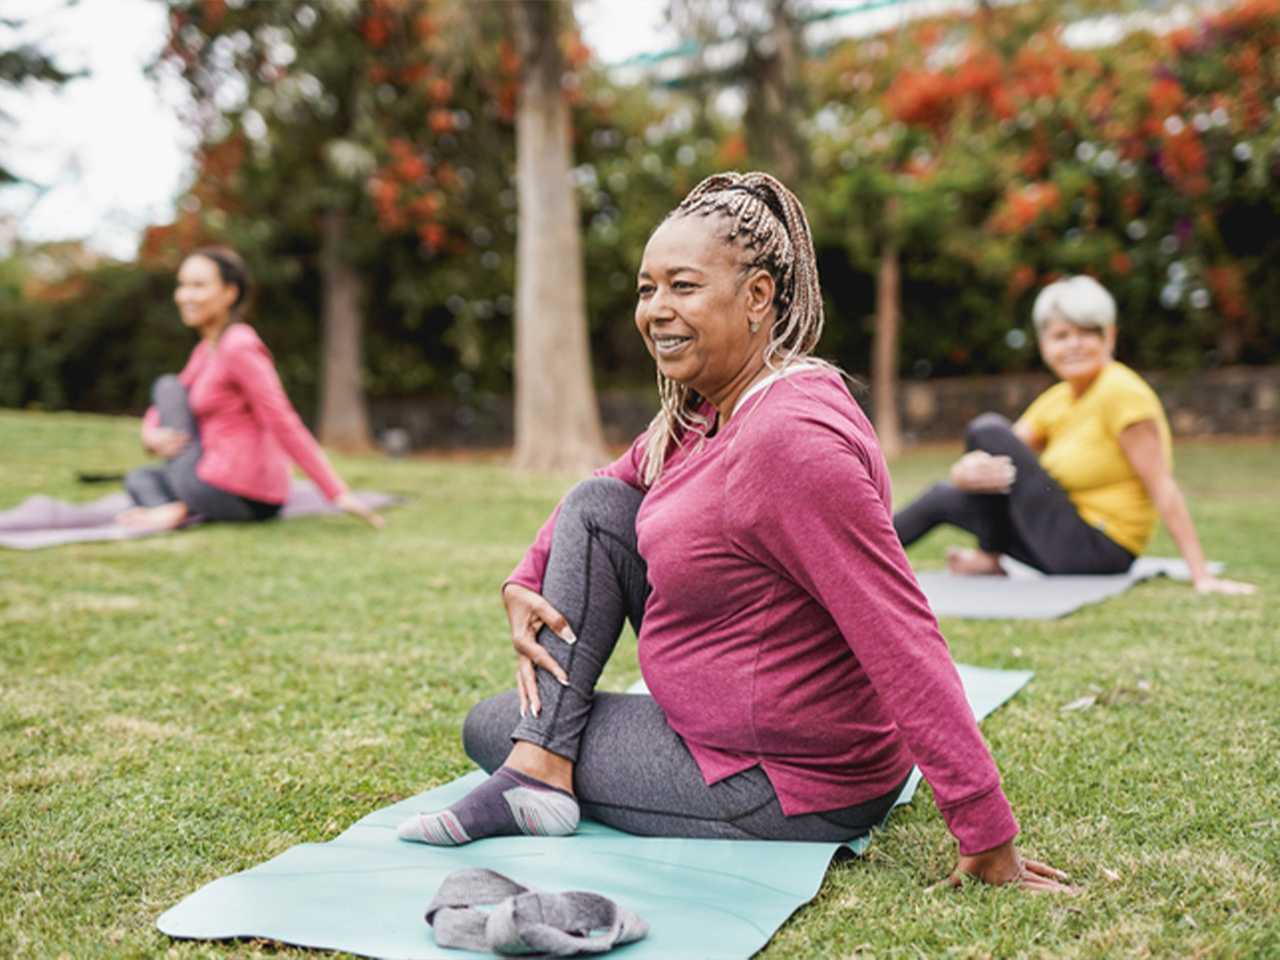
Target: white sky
<point>109,150</point>
<point>109,153</point>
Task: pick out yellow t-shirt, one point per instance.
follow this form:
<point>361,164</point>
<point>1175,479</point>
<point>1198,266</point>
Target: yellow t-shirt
<point>1082,450</point>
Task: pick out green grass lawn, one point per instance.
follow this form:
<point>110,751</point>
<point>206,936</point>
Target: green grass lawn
<point>176,709</point>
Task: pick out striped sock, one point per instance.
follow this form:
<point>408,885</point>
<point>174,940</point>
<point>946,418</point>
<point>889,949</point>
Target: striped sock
<point>507,804</point>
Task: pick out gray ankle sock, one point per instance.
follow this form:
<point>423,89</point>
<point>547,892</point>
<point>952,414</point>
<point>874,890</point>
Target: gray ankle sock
<point>507,804</point>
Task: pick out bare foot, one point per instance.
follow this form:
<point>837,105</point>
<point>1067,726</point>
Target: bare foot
<point>541,764</point>
<point>131,517</point>
<point>973,563</point>
<point>166,517</point>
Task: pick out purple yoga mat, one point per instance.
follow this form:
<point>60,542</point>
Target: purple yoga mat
<point>41,521</point>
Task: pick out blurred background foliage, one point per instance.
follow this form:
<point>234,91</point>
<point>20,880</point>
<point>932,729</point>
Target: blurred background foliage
<point>996,149</point>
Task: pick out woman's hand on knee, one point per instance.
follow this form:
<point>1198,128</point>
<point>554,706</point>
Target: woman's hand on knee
<point>980,472</point>
<point>164,442</point>
<point>1003,864</point>
<point>528,612</point>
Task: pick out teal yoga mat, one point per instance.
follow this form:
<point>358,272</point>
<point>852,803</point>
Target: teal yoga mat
<point>365,892</point>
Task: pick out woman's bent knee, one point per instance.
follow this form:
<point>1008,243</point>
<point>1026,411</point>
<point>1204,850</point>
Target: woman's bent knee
<point>486,733</point>
<point>986,431</point>
<point>167,385</point>
<point>595,491</point>
<point>602,498</point>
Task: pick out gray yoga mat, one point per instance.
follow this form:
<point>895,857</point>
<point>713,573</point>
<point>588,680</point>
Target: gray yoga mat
<point>365,891</point>
<point>1027,594</point>
<point>39,521</point>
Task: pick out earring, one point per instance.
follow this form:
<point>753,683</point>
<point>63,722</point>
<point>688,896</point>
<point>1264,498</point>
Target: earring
<point>755,326</point>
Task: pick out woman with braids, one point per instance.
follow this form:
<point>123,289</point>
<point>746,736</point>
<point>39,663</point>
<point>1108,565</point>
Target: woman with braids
<point>224,425</point>
<point>795,669</point>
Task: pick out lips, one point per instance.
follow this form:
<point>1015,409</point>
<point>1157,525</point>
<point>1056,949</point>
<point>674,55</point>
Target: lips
<point>668,344</point>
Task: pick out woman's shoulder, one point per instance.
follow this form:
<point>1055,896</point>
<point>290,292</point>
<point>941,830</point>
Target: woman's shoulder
<point>805,409</point>
<point>240,336</point>
<point>1120,375</point>
<point>1122,385</point>
<point>1059,393</point>
<point>819,390</point>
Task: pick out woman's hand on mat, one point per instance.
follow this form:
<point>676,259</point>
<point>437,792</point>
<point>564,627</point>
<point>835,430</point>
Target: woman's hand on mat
<point>528,612</point>
<point>164,442</point>
<point>980,472</point>
<point>348,502</point>
<point>1003,864</point>
<point>1211,584</point>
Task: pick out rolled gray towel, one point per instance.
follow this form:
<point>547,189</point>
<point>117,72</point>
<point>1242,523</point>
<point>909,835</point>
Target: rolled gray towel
<point>524,920</point>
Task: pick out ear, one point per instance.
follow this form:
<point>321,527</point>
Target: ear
<point>1109,338</point>
<point>229,293</point>
<point>760,290</point>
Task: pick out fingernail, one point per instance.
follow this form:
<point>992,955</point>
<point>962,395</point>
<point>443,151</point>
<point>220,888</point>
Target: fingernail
<point>537,711</point>
<point>522,713</point>
<point>563,683</point>
<point>568,636</point>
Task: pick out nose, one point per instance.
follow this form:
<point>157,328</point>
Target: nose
<point>658,307</point>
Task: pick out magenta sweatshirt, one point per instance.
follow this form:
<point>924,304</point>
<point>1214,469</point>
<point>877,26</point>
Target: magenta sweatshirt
<point>785,627</point>
<point>249,430</point>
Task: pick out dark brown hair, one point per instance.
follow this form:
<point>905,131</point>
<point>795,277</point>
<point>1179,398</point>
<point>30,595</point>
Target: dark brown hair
<point>232,270</point>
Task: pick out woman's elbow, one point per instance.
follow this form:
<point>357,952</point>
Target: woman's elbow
<point>1166,494</point>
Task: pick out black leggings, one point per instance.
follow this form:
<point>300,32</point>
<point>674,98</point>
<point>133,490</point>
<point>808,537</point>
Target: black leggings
<point>632,771</point>
<point>1035,522</point>
<point>177,479</point>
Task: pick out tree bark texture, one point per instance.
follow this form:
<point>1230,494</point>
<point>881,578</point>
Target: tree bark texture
<point>557,422</point>
<point>884,363</point>
<point>775,97</point>
<point>344,418</point>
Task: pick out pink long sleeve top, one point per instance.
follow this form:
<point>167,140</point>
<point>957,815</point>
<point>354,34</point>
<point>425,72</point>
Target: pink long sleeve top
<point>785,627</point>
<point>249,430</point>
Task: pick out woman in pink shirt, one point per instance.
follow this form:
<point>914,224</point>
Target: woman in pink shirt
<point>796,672</point>
<point>223,425</point>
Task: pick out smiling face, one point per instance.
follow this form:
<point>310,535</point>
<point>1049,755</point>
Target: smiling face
<point>204,301</point>
<point>695,308</point>
<point>1076,354</point>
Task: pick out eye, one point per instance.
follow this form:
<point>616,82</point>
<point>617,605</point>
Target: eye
<point>644,290</point>
<point>684,285</point>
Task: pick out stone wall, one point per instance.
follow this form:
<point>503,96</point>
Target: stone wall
<point>1228,400</point>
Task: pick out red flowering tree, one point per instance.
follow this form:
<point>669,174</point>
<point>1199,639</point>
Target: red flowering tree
<point>1018,147</point>
<point>331,125</point>
<point>384,129</point>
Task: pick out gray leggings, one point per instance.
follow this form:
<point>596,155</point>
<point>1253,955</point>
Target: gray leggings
<point>177,480</point>
<point>632,770</point>
<point>1035,522</point>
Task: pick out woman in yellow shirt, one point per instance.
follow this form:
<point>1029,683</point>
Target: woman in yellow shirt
<point>1075,486</point>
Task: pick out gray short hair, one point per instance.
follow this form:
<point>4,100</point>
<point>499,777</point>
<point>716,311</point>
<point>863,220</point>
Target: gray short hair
<point>1082,301</point>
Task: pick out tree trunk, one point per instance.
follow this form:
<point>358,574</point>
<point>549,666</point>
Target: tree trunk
<point>775,95</point>
<point>884,361</point>
<point>1230,340</point>
<point>557,423</point>
<point>344,421</point>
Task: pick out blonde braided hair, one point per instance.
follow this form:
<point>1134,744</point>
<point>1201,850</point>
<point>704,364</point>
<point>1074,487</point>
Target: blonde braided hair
<point>766,220</point>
